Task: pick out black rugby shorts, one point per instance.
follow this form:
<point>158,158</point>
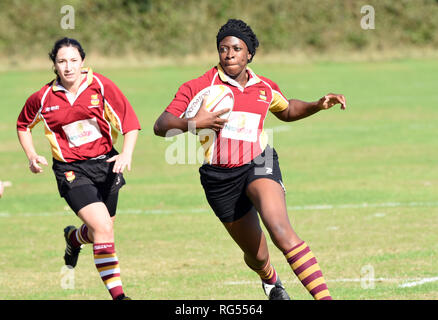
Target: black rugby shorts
<point>225,188</point>
<point>87,181</point>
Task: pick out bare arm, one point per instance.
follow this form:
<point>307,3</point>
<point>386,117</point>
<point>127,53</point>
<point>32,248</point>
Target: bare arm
<point>26,141</point>
<point>167,121</point>
<point>203,120</point>
<point>298,109</point>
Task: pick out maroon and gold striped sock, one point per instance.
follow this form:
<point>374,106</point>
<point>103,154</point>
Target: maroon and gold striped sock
<point>107,265</point>
<point>267,273</point>
<point>306,268</point>
<point>79,236</point>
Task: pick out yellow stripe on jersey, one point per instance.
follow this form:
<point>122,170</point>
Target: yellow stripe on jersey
<point>279,103</point>
<point>263,140</point>
<point>113,120</point>
<point>207,142</point>
<point>56,151</point>
<point>34,123</point>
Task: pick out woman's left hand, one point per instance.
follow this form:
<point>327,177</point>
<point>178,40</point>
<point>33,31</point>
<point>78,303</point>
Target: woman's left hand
<point>331,99</point>
<point>121,161</point>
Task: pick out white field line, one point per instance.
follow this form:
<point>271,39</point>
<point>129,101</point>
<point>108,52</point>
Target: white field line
<point>316,207</point>
<point>365,205</point>
<point>418,282</point>
<point>407,282</point>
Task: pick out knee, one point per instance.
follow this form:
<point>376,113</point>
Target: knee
<point>283,237</point>
<point>257,261</point>
<point>104,231</point>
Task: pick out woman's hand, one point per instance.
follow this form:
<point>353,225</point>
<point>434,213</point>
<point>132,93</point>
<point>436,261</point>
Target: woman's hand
<point>331,99</point>
<point>34,161</point>
<point>121,161</point>
<point>209,120</point>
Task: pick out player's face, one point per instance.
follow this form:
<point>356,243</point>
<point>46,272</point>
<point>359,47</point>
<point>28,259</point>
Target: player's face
<point>68,64</point>
<point>233,56</point>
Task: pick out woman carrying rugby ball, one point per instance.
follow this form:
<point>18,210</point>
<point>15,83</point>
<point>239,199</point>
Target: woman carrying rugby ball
<point>241,175</point>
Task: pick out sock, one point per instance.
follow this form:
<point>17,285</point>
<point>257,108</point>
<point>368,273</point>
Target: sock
<point>79,236</point>
<point>267,273</point>
<point>306,268</point>
<point>107,265</point>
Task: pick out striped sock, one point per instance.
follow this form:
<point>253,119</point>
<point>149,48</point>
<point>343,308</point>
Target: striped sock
<point>306,268</point>
<point>108,266</point>
<point>79,236</point>
<point>267,273</point>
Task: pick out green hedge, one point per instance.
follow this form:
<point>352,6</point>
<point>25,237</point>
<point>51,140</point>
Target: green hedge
<point>179,27</point>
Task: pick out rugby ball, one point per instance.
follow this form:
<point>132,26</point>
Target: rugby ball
<point>218,97</point>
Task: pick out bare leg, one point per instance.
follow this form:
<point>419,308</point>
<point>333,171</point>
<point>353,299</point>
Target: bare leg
<point>269,200</point>
<point>98,221</point>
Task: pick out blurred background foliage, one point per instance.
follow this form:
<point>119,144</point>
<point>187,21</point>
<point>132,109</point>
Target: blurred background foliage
<point>189,27</point>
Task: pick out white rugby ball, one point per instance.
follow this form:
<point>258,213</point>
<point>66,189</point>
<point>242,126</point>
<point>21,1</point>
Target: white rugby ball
<point>218,97</point>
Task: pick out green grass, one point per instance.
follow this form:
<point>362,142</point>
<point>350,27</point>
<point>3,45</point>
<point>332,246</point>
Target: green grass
<point>381,151</point>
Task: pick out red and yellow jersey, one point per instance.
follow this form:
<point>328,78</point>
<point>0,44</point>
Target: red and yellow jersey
<point>242,138</point>
<point>83,126</point>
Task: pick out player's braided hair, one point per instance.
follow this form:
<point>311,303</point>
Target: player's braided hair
<point>241,30</point>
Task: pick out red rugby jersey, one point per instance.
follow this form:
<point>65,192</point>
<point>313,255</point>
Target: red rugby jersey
<point>83,126</point>
<point>242,138</point>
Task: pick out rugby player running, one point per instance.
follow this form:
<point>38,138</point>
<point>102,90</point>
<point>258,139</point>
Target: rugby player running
<point>82,113</point>
<point>241,175</point>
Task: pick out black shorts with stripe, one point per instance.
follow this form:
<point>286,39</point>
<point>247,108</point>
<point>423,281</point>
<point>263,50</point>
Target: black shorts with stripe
<point>87,181</point>
<point>225,188</point>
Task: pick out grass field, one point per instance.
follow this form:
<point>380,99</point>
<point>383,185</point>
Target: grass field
<point>362,188</point>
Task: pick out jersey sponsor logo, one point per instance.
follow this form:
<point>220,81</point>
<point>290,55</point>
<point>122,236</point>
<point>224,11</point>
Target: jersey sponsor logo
<point>81,132</point>
<point>242,126</point>
<point>70,176</point>
<point>52,108</point>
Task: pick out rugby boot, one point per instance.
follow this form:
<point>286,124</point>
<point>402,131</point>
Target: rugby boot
<point>71,253</point>
<point>275,291</point>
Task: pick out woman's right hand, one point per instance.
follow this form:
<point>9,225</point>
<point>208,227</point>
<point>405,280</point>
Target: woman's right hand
<point>209,120</point>
<point>34,161</point>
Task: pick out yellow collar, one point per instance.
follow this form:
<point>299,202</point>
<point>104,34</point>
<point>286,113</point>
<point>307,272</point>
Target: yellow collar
<point>253,78</point>
<point>57,86</point>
